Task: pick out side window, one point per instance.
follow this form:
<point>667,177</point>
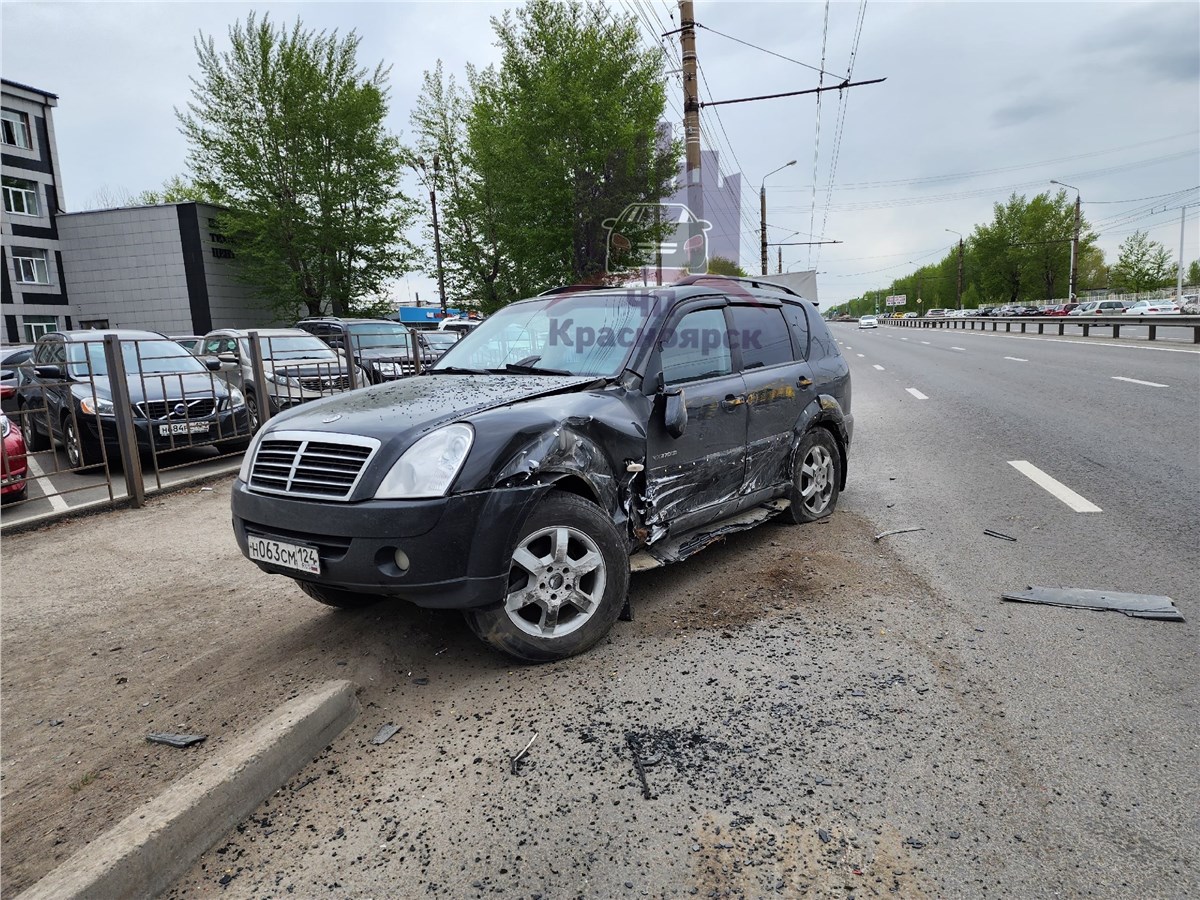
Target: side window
<point>823,343</point>
<point>798,321</point>
<point>696,347</point>
<point>762,334</point>
<point>41,353</point>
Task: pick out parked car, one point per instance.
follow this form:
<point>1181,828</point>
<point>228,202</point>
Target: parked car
<point>1104,308</point>
<point>1153,308</point>
<point>189,342</point>
<point>1190,305</point>
<point>14,468</point>
<point>1060,309</point>
<point>909,315</point>
<point>459,324</point>
<point>11,358</point>
<point>382,348</point>
<point>868,322</point>
<point>564,436</point>
<point>297,366</point>
<point>1085,308</point>
<point>937,313</point>
<point>178,401</point>
<point>438,342</point>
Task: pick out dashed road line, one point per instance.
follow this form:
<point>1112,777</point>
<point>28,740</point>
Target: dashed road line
<point>1016,359</point>
<point>880,368</point>
<point>861,355</point>
<point>57,503</point>
<point>926,343</point>
<point>964,349</point>
<point>904,339</point>
<point>1055,487</point>
<point>1139,381</point>
<point>916,393</point>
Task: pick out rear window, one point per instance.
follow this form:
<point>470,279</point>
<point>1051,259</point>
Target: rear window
<point>762,335</point>
<point>798,320</point>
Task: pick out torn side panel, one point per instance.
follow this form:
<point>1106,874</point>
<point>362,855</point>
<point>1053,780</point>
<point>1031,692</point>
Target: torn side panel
<point>677,549</point>
<point>1142,606</point>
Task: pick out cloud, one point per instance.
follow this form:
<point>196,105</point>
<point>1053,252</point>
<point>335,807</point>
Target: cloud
<point>1161,39</point>
<point>1023,111</point>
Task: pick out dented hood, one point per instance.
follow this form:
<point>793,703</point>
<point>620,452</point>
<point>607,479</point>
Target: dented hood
<point>398,412</point>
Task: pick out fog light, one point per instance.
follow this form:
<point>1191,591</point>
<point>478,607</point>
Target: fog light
<point>402,562</point>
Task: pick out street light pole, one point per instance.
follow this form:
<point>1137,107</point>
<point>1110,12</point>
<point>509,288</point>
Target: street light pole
<point>437,234</point>
<point>960,262</point>
<point>1074,240</point>
<point>762,204</point>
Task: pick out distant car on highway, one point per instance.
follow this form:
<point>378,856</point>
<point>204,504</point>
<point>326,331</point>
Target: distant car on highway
<point>868,322</point>
<point>1153,308</point>
<point>13,466</point>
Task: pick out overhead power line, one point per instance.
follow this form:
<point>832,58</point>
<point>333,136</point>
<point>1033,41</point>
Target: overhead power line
<point>764,50</point>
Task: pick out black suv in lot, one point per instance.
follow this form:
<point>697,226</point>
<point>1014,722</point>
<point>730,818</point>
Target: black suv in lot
<point>382,348</point>
<point>178,401</point>
<point>565,441</point>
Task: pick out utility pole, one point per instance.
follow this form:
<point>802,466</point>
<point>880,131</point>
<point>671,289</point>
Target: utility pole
<point>960,262</point>
<point>437,234</point>
<point>1179,274</point>
<point>1075,253</point>
<point>691,116</point>
<point>779,268</point>
<point>762,210</point>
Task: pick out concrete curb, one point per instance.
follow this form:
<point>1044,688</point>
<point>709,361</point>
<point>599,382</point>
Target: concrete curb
<point>144,853</point>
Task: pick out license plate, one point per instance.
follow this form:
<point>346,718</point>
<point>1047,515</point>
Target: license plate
<point>183,428</point>
<point>291,556</point>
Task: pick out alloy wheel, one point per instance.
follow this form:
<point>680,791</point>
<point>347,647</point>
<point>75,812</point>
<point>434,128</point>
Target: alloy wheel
<point>816,479</point>
<point>556,582</point>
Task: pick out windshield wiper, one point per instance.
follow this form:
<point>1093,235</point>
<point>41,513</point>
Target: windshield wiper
<point>522,369</point>
<point>455,370</point>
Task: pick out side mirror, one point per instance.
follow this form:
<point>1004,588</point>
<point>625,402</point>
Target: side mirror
<point>227,357</point>
<point>212,363</point>
<point>675,417</point>
<point>49,371</point>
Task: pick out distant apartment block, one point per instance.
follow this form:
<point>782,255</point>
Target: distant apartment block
<point>33,287</point>
<point>722,200</point>
<point>166,268</point>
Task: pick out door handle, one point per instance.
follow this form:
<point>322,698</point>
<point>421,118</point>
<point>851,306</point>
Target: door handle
<point>732,400</point>
<point>804,382</point>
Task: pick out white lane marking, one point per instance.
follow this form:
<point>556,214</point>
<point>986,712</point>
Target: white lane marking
<point>926,343</point>
<point>1057,488</point>
<point>57,503</point>
<point>904,339</point>
<point>848,347</point>
<point>1137,381</point>
<point>1016,359</point>
<point>916,393</point>
<point>861,355</point>
<point>964,349</point>
<point>880,368</point>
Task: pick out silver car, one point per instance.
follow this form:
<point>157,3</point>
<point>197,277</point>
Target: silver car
<point>297,367</point>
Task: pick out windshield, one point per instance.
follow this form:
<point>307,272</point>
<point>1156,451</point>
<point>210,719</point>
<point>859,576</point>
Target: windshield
<point>378,335</point>
<point>148,357</point>
<point>588,334</point>
<point>288,347</point>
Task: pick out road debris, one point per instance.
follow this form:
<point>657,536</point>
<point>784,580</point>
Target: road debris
<point>997,534</point>
<point>884,534</point>
<point>1142,606</point>
<point>514,760</point>
<point>638,766</point>
<point>175,740</point>
<point>385,733</point>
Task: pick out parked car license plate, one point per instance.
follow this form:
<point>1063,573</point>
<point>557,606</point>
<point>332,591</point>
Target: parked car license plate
<point>292,556</point>
<point>183,428</point>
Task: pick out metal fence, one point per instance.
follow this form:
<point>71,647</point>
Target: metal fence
<point>1061,323</point>
<point>110,419</point>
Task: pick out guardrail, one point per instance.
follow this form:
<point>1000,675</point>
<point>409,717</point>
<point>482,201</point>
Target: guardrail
<point>1087,323</point>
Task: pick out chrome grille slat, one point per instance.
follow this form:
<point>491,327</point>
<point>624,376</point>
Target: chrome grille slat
<point>197,408</point>
<point>311,464</point>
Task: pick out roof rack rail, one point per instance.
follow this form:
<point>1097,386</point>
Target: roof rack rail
<point>574,288</point>
<point>751,282</point>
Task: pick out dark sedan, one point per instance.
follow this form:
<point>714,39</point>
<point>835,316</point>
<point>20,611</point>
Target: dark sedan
<point>177,401</point>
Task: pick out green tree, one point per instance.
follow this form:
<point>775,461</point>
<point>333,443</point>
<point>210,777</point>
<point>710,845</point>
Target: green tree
<point>719,265</point>
<point>286,130</point>
<point>563,135</point>
<point>1142,265</point>
<point>175,189</point>
<point>1193,273</point>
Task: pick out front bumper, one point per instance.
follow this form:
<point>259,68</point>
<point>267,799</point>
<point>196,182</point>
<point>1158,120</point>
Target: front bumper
<point>458,547</point>
<point>227,425</point>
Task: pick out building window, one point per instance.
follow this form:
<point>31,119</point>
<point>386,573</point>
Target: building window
<point>36,326</point>
<point>16,129</point>
<point>29,266</point>
<point>20,196</point>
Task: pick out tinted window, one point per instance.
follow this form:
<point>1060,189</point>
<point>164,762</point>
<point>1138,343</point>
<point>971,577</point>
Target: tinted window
<point>797,319</point>
<point>762,334</point>
<point>823,343</point>
<point>696,347</point>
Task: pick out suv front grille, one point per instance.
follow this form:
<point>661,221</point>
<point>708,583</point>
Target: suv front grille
<point>326,383</point>
<point>198,408</point>
<point>305,464</point>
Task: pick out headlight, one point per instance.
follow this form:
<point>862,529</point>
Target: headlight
<point>248,458</point>
<point>236,399</point>
<point>97,406</point>
<point>282,380</point>
<point>361,376</point>
<point>428,467</point>
<point>5,426</point>
<point>386,368</point>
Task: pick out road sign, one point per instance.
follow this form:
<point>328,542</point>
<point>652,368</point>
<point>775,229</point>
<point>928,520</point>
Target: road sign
<point>897,300</point>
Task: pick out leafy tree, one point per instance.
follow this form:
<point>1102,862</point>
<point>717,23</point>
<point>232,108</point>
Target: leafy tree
<point>1142,265</point>
<point>175,189</point>
<point>719,265</point>
<point>286,130</point>
<point>564,135</point>
<point>1093,272</point>
<point>1193,273</point>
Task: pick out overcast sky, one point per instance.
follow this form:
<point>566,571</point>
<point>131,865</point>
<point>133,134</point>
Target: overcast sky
<point>981,99</point>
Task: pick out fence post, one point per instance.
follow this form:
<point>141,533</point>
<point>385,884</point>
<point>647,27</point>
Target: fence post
<point>131,462</point>
<point>415,344</point>
<point>262,396</point>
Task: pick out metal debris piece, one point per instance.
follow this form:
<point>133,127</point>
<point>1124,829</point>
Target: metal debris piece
<point>626,614</point>
<point>1142,606</point>
<point>513,760</point>
<point>175,740</point>
<point>384,733</point>
<point>997,534</point>
<point>421,681</point>
<point>884,534</point>
<point>638,766</point>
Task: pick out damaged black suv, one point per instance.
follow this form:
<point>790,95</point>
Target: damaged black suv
<point>566,441</point>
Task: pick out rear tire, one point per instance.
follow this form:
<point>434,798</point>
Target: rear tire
<point>568,580</point>
<point>336,597</point>
<point>816,476</point>
<point>252,411</point>
<point>34,438</point>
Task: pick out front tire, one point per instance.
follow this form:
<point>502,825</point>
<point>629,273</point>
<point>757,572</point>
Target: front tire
<point>33,435</point>
<point>568,579</point>
<point>252,411</point>
<point>816,477</point>
<point>336,597</point>
<point>80,453</point>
